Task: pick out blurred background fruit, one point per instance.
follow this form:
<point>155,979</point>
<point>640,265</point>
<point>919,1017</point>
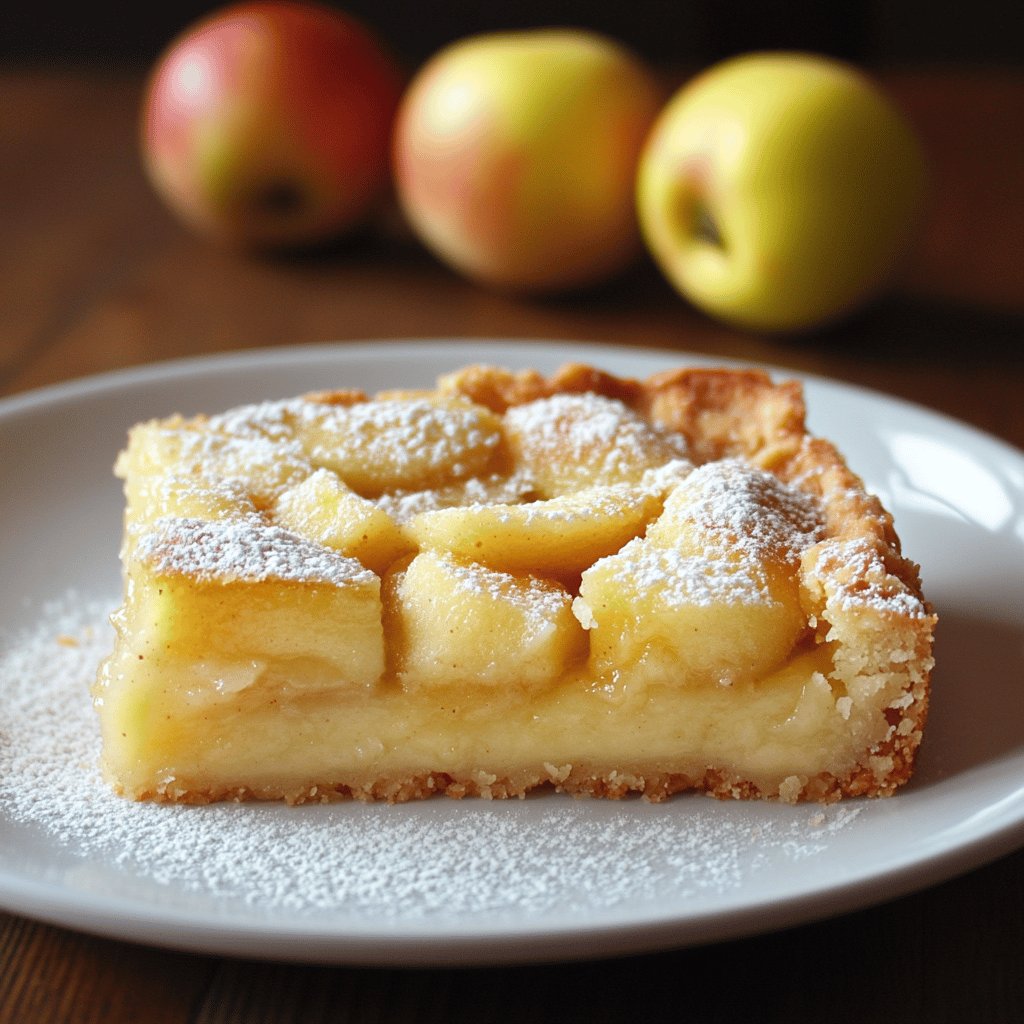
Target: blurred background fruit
<point>778,190</point>
<point>515,156</point>
<point>121,43</point>
<point>268,124</point>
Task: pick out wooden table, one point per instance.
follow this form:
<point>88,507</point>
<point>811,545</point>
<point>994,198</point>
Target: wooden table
<point>94,275</point>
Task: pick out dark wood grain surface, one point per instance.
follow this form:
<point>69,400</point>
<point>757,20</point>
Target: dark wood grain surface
<point>95,275</point>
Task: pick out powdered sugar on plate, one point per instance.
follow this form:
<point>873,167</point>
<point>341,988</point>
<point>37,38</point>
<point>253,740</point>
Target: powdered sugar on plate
<point>435,860</point>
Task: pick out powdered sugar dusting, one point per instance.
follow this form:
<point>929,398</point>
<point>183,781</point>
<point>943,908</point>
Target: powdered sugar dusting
<point>389,440</point>
<point>675,579</point>
<point>540,599</point>
<point>245,550</point>
<point>190,448</point>
<point>495,489</point>
<point>377,445</point>
<point>720,528</point>
<point>600,435</point>
<point>856,578</point>
<point>738,507</point>
<point>420,862</point>
<point>272,420</point>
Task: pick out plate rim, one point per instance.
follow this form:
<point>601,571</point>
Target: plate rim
<point>310,351</point>
<point>235,935</point>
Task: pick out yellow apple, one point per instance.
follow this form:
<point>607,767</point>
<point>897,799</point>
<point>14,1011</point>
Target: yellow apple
<point>515,156</point>
<point>778,190</point>
<point>269,123</point>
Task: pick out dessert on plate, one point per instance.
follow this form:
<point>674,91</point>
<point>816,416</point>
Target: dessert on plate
<point>582,581</point>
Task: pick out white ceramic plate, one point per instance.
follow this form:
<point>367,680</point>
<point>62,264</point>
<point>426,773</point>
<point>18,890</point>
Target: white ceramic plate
<point>473,882</point>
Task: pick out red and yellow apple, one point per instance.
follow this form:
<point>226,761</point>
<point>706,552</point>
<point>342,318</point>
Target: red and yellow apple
<point>777,191</point>
<point>515,156</point>
<point>269,123</point>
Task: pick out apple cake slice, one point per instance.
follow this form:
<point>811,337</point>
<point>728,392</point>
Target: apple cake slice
<point>593,583</point>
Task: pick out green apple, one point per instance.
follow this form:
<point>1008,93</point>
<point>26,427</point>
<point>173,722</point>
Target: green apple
<point>515,156</point>
<point>268,123</point>
<point>777,191</point>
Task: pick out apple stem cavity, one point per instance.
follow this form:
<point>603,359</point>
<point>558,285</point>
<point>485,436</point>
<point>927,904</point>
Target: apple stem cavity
<point>279,199</point>
<point>705,227</point>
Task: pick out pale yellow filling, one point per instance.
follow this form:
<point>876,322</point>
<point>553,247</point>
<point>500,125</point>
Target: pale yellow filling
<point>279,727</point>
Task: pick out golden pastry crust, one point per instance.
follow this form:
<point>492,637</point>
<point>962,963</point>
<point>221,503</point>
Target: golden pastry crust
<point>862,597</point>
